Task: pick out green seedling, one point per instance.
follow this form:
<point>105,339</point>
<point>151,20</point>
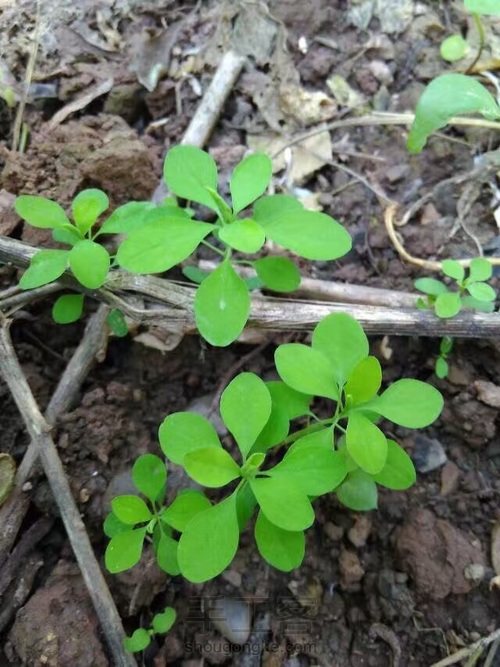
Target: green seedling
<point>345,453</point>
<point>445,348</point>
<point>472,292</point>
<point>141,638</point>
<point>158,238</point>
<point>455,47</point>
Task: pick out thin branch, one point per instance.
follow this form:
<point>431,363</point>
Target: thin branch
<point>39,431</point>
<point>466,652</point>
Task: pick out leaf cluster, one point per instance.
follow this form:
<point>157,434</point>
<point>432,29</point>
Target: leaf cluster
<point>472,290</point>
<point>160,624</point>
<point>275,474</point>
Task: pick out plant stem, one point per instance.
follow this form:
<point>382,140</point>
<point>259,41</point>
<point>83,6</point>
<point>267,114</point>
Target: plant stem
<point>482,39</point>
<point>214,248</point>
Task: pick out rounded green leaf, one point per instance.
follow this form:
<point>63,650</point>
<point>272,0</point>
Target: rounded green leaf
<point>274,206</point>
<point>482,292</point>
<point>448,305</point>
<point>124,550</point>
<point>441,369</point>
<point>222,306</point>
<point>430,286</point>
<point>358,492</point>
<point>312,469</point>
<point>279,274</point>
<point>130,509</point>
<point>184,432</point>
<point>212,467</point>
<point>139,641</point>
<point>409,403</point>
<point>128,217</point>
<point>446,345</point>
<point>320,439</point>
<point>89,262</point>
<point>245,408</point>
<point>160,244</point>
<point>366,443</point>
<point>68,234</point>
<point>164,621</point>
<point>117,323</point>
<point>166,554</point>
<point>309,234</point>
<point>470,303</point>
<point>243,235</point>
<point>112,525</point>
<point>446,96</point>
<point>490,7</point>
<point>87,206</point>
<point>480,269</point>
<point>364,381</point>
<point>149,475</point>
<point>188,171</point>
<point>250,180</point>
<point>195,274</point>
<point>185,507</point>
<point>306,370</point>
<point>399,472</point>
<point>343,342</point>
<point>41,212</point>
<point>283,504</point>
<point>295,403</point>
<point>274,432</point>
<point>283,549</point>
<point>453,48</point>
<point>210,541</point>
<point>453,269</point>
<point>68,308</point>
<point>45,267</point>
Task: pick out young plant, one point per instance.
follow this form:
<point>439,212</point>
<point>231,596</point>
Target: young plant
<point>455,47</point>
<point>160,237</point>
<point>471,292</point>
<point>345,453</point>
<point>441,367</point>
<point>160,624</point>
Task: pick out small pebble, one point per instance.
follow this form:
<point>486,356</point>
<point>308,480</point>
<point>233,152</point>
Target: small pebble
<point>450,475</point>
<point>488,393</point>
<point>428,454</point>
<point>333,532</point>
<point>232,618</point>
<point>361,530</point>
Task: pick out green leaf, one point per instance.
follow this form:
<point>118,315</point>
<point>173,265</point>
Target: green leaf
<point>68,308</point>
<point>446,96</point>
<point>166,550</point>
<point>183,432</point>
<point>222,306</point>
<point>364,381</point>
<point>139,641</point>
<point>409,403</point>
<point>320,439</point>
<point>283,549</point>
<point>212,467</point>
<point>274,207</point>
<point>453,48</point>
<point>448,305</point>
<point>306,370</point>
<point>446,345</point>
<point>160,244</point>
<point>41,212</point>
<point>366,443</point>
<point>313,470</point>
<point>223,210</point>
<point>163,622</point>
<point>149,475</point>
<point>116,322</point>
<point>210,541</point>
<point>274,432</point>
<point>480,269</point>
<point>243,235</point>
<point>130,509</point>
<point>128,217</point>
<point>87,206</point>
<point>453,269</point>
<point>358,492</point>
<point>343,342</point>
<point>399,472</point>
<point>185,507</point>
<point>250,180</point>
<point>430,286</point>
<point>295,403</point>
<point>188,171</point>
<point>89,263</point>
<point>441,369</point>
<point>69,235</point>
<point>195,274</point>
<point>483,7</point>
<point>482,292</point>
<point>279,274</point>
<point>113,526</point>
<point>309,234</point>
<point>124,550</point>
<point>473,304</point>
<point>245,505</point>
<point>45,267</point>
<point>245,408</point>
<point>283,504</point>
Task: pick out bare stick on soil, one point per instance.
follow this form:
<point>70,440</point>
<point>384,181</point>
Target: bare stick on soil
<point>39,431</point>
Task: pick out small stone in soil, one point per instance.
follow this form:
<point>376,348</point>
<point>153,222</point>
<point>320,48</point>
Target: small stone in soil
<point>351,570</point>
<point>361,530</point>
<point>488,393</point>
<point>450,475</point>
<point>428,454</point>
<point>232,618</point>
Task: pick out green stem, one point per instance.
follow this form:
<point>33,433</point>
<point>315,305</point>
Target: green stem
<point>312,428</point>
<point>214,248</point>
<point>482,41</point>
